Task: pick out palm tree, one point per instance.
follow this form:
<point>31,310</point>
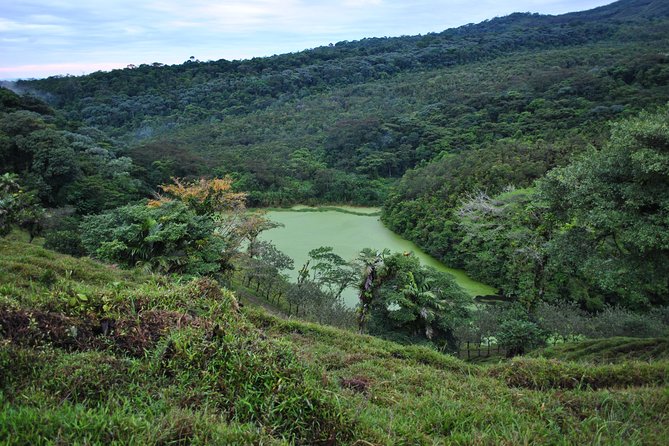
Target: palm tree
<point>424,303</point>
<point>372,264</point>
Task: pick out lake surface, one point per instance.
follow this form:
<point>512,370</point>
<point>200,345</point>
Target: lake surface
<point>348,230</point>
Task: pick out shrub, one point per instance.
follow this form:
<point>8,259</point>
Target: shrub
<point>617,321</point>
<point>517,336</point>
<point>169,238</point>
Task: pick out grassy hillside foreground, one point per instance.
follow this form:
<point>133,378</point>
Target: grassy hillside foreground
<point>90,354</point>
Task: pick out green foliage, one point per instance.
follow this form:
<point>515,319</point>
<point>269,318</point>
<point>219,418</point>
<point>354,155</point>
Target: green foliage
<point>564,321</point>
<point>170,238</point>
<point>611,207</point>
<point>265,264</point>
<point>617,321</point>
<point>331,271</point>
<point>518,336</point>
<point>60,167</point>
<point>607,351</point>
<point>592,232</point>
<point>337,124</point>
<point>171,353</point>
<point>18,208</point>
<point>503,241</point>
<point>415,301</point>
<point>261,383</point>
<point>63,235</point>
<point>317,294</point>
<point>372,265</point>
<point>542,374</point>
<point>414,395</point>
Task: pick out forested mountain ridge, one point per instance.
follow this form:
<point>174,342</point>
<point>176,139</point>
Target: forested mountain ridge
<point>368,110</point>
<point>210,85</point>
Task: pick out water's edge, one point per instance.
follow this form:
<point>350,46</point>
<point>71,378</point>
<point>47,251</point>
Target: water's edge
<point>348,230</point>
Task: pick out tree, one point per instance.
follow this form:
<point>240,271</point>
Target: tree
<point>18,207</point>
<point>562,320</point>
<point>215,200</point>
<point>170,238</point>
<point>266,264</point>
<point>611,212</point>
<point>417,302</point>
<point>423,304</point>
<point>330,270</point>
<point>504,242</point>
<point>304,165</point>
<point>205,197</point>
<point>372,274</point>
<point>518,336</point>
<point>54,163</point>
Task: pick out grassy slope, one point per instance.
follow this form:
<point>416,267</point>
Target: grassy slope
<point>611,350</point>
<point>181,363</point>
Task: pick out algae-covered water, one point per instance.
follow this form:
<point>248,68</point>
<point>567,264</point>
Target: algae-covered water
<point>348,231</point>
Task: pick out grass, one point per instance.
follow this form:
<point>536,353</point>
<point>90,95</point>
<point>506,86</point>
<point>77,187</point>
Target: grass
<point>612,350</point>
<point>417,396</point>
<point>147,360</point>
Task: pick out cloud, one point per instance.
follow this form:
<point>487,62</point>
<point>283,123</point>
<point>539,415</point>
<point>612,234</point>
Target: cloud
<point>68,34</point>
<point>361,3</point>
<point>43,70</point>
<point>12,26</point>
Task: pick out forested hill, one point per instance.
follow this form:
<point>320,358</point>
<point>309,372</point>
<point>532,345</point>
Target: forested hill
<point>232,87</point>
<point>454,132</point>
<point>337,123</point>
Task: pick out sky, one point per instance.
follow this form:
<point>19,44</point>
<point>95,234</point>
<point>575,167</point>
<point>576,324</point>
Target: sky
<point>41,38</point>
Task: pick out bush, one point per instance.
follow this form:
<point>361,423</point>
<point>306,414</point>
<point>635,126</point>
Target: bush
<point>65,237</point>
<point>517,336</point>
<point>169,238</point>
<point>617,321</point>
<point>562,321</point>
<point>544,374</point>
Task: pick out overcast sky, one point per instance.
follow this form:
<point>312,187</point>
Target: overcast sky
<point>40,38</point>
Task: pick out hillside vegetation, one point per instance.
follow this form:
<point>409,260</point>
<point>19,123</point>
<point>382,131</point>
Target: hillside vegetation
<point>476,140</point>
<point>610,350</point>
<point>91,354</point>
<point>531,151</point>
<point>338,123</point>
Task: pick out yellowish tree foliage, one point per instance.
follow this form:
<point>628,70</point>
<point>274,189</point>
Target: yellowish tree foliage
<point>204,196</point>
<point>215,199</point>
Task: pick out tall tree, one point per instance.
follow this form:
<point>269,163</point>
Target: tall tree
<point>611,211</point>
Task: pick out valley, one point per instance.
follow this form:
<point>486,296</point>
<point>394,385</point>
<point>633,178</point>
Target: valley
<point>457,237</point>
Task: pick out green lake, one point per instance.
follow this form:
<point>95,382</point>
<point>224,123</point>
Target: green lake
<point>347,231</point>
